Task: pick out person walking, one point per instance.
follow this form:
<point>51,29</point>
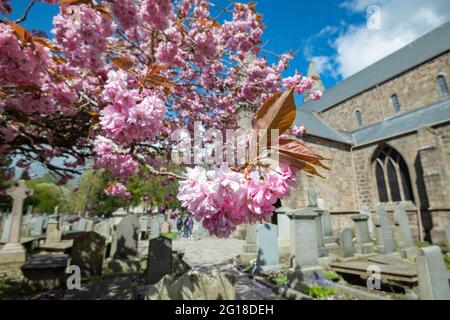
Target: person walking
<point>179,225</point>
<point>190,227</point>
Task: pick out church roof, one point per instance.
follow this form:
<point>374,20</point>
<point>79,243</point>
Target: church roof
<point>423,49</point>
<point>318,128</point>
<point>391,127</point>
<point>403,123</point>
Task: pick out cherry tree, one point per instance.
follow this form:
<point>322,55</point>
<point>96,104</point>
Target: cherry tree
<point>116,78</point>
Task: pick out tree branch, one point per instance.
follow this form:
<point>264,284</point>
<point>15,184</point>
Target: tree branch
<point>25,14</point>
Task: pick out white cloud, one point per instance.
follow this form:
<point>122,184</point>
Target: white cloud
<point>324,65</point>
<point>402,21</point>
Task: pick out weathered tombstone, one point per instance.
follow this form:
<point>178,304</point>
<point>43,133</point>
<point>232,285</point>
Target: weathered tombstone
<point>37,226</point>
<point>89,226</point>
<point>88,252</point>
<point>80,225</point>
<point>249,249</point>
<point>53,233</point>
<point>159,261</point>
<point>306,257</point>
<point>327,229</point>
<point>143,221</point>
<point>104,228</point>
<point>118,215</point>
<point>125,242</point>
<point>26,222</point>
<point>385,236</point>
<point>363,243</point>
<point>366,211</point>
<point>13,251</point>
<point>432,275</point>
<point>284,228</point>
<point>447,233</point>
<point>267,257</point>
<point>165,227</point>
<point>155,230</point>
<point>403,228</point>
<point>346,242</point>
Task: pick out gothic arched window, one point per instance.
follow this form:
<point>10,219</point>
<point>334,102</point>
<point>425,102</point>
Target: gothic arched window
<point>395,103</point>
<point>392,176</point>
<point>442,85</point>
<point>358,119</point>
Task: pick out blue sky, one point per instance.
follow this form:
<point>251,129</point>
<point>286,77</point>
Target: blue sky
<point>331,33</point>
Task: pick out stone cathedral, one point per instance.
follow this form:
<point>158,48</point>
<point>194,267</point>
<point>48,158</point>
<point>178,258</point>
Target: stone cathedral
<point>387,129</point>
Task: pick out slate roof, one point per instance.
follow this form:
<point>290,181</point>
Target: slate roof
<point>391,127</point>
<point>403,123</point>
<point>423,49</point>
<point>316,127</point>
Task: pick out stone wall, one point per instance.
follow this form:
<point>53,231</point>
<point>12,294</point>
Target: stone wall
<point>415,88</point>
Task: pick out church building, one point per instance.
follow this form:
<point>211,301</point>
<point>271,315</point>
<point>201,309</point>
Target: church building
<point>387,129</point>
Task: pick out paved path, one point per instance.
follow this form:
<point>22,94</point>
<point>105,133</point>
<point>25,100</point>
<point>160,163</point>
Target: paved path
<point>218,253</point>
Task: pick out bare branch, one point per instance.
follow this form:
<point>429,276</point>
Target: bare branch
<point>25,14</point>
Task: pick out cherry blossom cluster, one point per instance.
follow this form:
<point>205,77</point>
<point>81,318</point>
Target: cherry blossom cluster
<point>118,190</point>
<point>222,199</point>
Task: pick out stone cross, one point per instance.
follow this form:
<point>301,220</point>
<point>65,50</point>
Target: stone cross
<point>13,251</point>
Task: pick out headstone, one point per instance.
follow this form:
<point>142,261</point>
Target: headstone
<point>385,236</point>
<point>165,227</point>
<point>346,242</point>
<point>363,243</point>
<point>125,241</point>
<point>306,254</point>
<point>26,223</point>
<point>447,233</point>
<point>159,261</point>
<point>323,251</point>
<point>88,253</point>
<point>327,228</point>
<point>37,226</point>
<point>250,239</point>
<point>155,230</point>
<point>53,233</point>
<point>89,226</point>
<point>268,257</point>
<point>118,215</point>
<point>80,225</point>
<point>404,228</point>
<point>13,251</point>
<point>432,275</point>
<point>284,229</point>
<point>104,228</point>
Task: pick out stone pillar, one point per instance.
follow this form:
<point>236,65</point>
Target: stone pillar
<point>306,260</point>
<point>13,251</point>
<point>432,275</point>
<point>363,245</point>
<point>323,252</point>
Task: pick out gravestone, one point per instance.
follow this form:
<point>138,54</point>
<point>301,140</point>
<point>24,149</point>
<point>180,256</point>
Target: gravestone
<point>26,223</point>
<point>143,221</point>
<point>267,257</point>
<point>159,260</point>
<point>104,228</point>
<point>88,253</point>
<point>80,225</point>
<point>249,249</point>
<point>363,245</point>
<point>13,251</point>
<point>366,211</point>
<point>447,233</point>
<point>154,228</point>
<point>284,228</point>
<point>53,233</point>
<point>406,242</point>
<point>306,254</point>
<point>346,243</point>
<point>385,236</point>
<point>165,227</point>
<point>327,229</point>
<point>432,274</point>
<point>89,226</point>
<point>37,226</point>
<point>125,241</point>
